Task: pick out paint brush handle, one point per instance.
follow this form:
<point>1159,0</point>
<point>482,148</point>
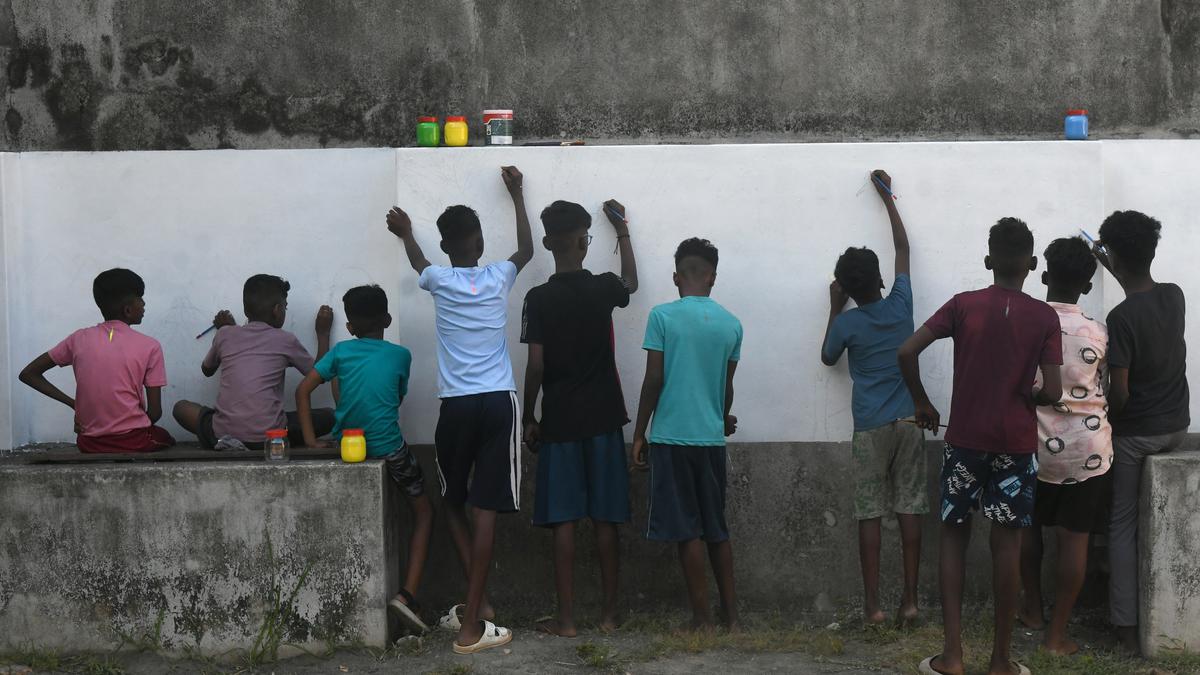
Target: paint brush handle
<point>880,183</point>
<point>207,331</point>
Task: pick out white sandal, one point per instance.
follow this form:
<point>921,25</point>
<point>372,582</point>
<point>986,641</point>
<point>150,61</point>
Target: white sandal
<point>451,620</point>
<point>493,636</point>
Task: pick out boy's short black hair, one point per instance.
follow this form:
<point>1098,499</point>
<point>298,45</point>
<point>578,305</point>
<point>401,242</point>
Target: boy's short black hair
<point>563,216</point>
<point>1010,238</point>
<point>1133,236</point>
<point>1069,261</point>
<point>697,248</point>
<point>366,307</point>
<point>115,288</point>
<point>458,222</point>
<point>857,271</point>
<point>262,292</point>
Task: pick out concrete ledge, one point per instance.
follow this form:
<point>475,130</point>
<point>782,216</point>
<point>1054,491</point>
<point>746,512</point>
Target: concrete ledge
<point>1169,541</point>
<point>202,555</point>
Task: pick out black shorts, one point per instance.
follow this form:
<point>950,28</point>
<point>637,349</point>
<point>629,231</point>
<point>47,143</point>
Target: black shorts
<point>1079,507</point>
<point>687,493</point>
<point>404,469</point>
<point>322,424</point>
<point>478,441</point>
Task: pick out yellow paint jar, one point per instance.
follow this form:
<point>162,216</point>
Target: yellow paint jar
<point>354,445</point>
<point>454,133</point>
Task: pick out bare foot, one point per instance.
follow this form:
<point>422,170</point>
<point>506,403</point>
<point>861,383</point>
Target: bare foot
<point>940,665</point>
<point>1031,617</point>
<point>1060,646</point>
<point>874,617</point>
<point>908,615</point>
<point>487,612</point>
<point>608,623</point>
<point>698,625</point>
<point>557,628</point>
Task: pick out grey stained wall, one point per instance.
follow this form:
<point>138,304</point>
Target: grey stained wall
<point>126,74</point>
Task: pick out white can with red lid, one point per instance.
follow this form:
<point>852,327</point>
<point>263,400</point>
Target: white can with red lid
<point>498,125</point>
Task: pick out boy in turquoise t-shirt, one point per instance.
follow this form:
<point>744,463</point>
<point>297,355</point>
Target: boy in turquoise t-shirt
<point>372,378</point>
<point>692,349</point>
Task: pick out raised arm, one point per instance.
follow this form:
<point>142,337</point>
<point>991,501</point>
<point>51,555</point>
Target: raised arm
<point>651,389</point>
<point>899,234</point>
<point>212,362</point>
<point>400,225</point>
<point>34,375</point>
<point>514,181</point>
<point>534,370</point>
<point>615,212</point>
<point>910,367</point>
<point>323,326</point>
<point>837,301</point>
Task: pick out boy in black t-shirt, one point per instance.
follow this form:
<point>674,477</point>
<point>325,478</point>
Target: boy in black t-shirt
<point>581,468</point>
<point>1148,392</point>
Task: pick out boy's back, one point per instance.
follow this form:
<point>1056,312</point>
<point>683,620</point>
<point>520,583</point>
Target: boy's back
<point>872,334</point>
<point>571,317</point>
<point>254,359</point>
<point>698,338</point>
<point>1001,336</point>
<point>472,311</point>
<point>1146,335</point>
<point>373,376</point>
<point>112,363</point>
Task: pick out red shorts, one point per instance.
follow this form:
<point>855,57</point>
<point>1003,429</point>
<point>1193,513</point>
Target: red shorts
<point>137,440</point>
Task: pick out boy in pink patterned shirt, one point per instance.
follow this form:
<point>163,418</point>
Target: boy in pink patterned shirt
<point>1075,451</point>
<point>112,364</point>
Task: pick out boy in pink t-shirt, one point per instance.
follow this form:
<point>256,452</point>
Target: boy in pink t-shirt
<point>1075,449</point>
<point>112,363</point>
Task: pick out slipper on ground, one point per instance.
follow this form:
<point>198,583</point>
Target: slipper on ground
<point>407,615</point>
<point>493,636</point>
<point>451,620</point>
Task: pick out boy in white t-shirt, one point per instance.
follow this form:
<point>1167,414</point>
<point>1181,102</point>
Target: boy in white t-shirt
<point>479,425</point>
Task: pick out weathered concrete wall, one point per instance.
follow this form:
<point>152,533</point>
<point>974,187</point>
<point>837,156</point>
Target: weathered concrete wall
<point>211,553</point>
<point>120,74</point>
<point>1169,541</point>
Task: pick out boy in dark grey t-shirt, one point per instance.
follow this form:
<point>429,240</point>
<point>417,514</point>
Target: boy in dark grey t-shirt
<point>1148,392</point>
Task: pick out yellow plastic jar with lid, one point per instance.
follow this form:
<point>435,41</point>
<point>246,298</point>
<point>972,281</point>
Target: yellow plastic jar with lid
<point>354,445</point>
<point>454,132</point>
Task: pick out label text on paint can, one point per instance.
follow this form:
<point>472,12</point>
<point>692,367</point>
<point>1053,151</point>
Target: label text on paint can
<point>498,125</point>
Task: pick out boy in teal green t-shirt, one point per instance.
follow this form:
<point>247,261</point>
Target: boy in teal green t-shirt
<point>692,349</point>
<point>372,376</point>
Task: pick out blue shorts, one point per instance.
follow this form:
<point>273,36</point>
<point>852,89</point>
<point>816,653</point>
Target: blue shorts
<point>1000,485</point>
<point>687,493</point>
<point>582,479</point>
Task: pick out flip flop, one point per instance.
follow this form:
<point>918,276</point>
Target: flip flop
<point>493,636</point>
<point>926,667</point>
<point>451,621</point>
<point>407,612</point>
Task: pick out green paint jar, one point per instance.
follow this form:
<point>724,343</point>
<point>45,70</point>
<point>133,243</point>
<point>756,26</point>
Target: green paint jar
<point>428,134</point>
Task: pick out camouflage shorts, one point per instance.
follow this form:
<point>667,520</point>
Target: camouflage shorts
<point>890,469</point>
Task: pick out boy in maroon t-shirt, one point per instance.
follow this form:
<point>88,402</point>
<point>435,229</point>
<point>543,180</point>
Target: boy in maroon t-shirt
<point>1001,338</point>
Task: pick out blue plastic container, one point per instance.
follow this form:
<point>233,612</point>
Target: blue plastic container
<point>1076,125</point>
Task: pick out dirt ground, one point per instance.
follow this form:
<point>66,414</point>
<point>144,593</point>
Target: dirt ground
<point>770,643</point>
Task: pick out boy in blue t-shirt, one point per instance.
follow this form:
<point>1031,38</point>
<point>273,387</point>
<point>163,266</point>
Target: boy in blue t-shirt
<point>692,349</point>
<point>478,434</point>
<point>372,376</point>
<point>887,448</point>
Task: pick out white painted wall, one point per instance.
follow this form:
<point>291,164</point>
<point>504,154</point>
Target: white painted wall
<point>196,224</point>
